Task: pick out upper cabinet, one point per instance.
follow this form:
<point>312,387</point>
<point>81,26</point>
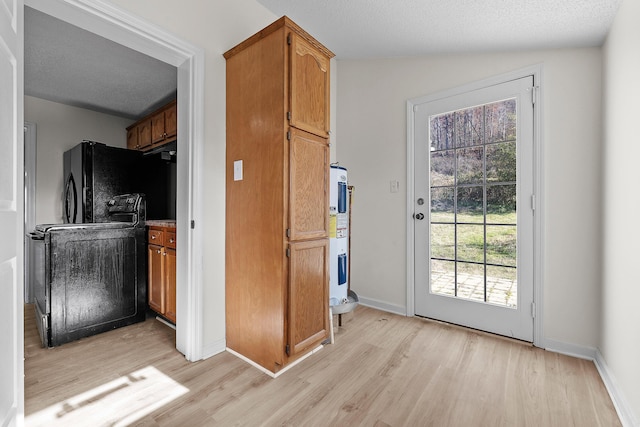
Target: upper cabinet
<point>164,126</point>
<point>157,129</point>
<point>309,87</point>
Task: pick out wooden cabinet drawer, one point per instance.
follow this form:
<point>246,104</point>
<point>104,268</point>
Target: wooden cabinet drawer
<point>156,237</point>
<point>170,239</point>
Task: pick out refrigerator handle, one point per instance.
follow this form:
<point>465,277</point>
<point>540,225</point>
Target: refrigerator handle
<point>70,190</point>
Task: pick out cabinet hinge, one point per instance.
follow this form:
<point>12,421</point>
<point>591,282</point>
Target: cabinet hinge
<point>288,115</point>
<point>288,253</point>
<point>288,232</point>
<point>534,94</point>
<point>288,38</point>
<point>533,202</point>
<point>193,224</point>
<point>533,310</point>
<point>288,135</point>
<point>286,349</point>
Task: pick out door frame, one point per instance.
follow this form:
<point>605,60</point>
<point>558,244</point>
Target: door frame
<point>30,177</point>
<point>131,31</point>
<point>538,221</point>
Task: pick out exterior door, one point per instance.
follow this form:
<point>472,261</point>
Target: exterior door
<point>474,209</point>
<point>11,213</point>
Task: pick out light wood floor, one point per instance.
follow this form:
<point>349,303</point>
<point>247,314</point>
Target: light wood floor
<point>384,370</point>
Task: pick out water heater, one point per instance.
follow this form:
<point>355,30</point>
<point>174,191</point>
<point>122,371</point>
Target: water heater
<point>338,236</point>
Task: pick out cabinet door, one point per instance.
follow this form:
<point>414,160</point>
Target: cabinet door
<point>308,314</point>
<point>144,134</point>
<point>155,279</point>
<point>309,186</point>
<point>132,138</point>
<point>157,128</point>
<point>171,121</point>
<point>309,87</point>
<point>170,284</point>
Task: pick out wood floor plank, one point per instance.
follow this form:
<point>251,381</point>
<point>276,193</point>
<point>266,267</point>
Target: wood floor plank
<point>384,370</point>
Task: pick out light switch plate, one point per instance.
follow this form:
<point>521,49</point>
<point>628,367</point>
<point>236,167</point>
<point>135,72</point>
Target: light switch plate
<point>394,186</point>
<point>237,170</point>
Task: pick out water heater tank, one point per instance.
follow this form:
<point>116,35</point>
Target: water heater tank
<point>338,236</point>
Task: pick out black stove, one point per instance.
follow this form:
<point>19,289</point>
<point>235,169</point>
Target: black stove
<point>90,278</point>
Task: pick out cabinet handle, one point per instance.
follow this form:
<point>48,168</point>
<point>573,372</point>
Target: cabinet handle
<point>171,240</point>
<point>153,237</point>
<point>158,250</point>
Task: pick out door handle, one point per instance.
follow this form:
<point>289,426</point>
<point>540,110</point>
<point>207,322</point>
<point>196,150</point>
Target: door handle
<point>70,199</point>
<point>419,216</point>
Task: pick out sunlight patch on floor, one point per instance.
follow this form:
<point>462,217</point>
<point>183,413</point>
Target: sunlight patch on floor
<point>117,403</point>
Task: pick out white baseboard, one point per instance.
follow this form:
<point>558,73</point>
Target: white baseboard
<point>214,348</point>
<point>624,410</point>
<point>280,372</point>
<point>384,306</point>
<point>574,350</point>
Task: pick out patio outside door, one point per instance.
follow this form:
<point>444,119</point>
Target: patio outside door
<point>474,209</point>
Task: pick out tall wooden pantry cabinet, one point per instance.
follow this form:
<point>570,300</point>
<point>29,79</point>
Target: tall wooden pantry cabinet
<point>277,199</point>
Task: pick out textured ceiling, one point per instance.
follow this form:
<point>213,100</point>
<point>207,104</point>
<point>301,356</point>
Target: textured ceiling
<point>66,64</point>
<point>374,29</point>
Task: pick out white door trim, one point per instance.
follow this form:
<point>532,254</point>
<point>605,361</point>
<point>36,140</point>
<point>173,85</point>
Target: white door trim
<point>129,30</point>
<point>30,167</point>
<point>538,288</point>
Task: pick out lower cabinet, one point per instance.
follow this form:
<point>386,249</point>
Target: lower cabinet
<point>308,317</point>
<point>170,285</point>
<point>161,276</point>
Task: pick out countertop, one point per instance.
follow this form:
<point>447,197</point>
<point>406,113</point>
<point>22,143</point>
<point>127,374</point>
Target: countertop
<point>170,223</point>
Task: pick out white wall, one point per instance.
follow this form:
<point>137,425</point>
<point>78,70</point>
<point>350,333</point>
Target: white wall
<point>620,340</point>
<point>372,146</point>
<point>215,26</point>
<point>59,128</point>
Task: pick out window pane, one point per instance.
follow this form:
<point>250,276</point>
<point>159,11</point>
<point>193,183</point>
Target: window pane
<point>473,203</point>
<point>501,204</point>
<point>501,245</point>
<point>443,277</point>
<point>470,204</point>
<point>500,121</point>
<point>470,281</point>
<point>443,241</point>
<point>442,204</point>
<point>501,162</point>
<point>442,168</point>
<point>502,286</point>
<point>441,132</point>
<point>470,169</point>
<point>470,243</point>
<point>468,130</point>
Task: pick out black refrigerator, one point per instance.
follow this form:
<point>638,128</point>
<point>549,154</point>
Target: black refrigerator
<point>93,174</point>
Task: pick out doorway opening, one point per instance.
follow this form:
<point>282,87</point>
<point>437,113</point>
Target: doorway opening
<point>134,33</point>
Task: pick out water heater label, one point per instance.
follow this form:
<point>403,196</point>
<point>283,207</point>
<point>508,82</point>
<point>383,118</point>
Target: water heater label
<point>332,226</point>
<point>342,224</point>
